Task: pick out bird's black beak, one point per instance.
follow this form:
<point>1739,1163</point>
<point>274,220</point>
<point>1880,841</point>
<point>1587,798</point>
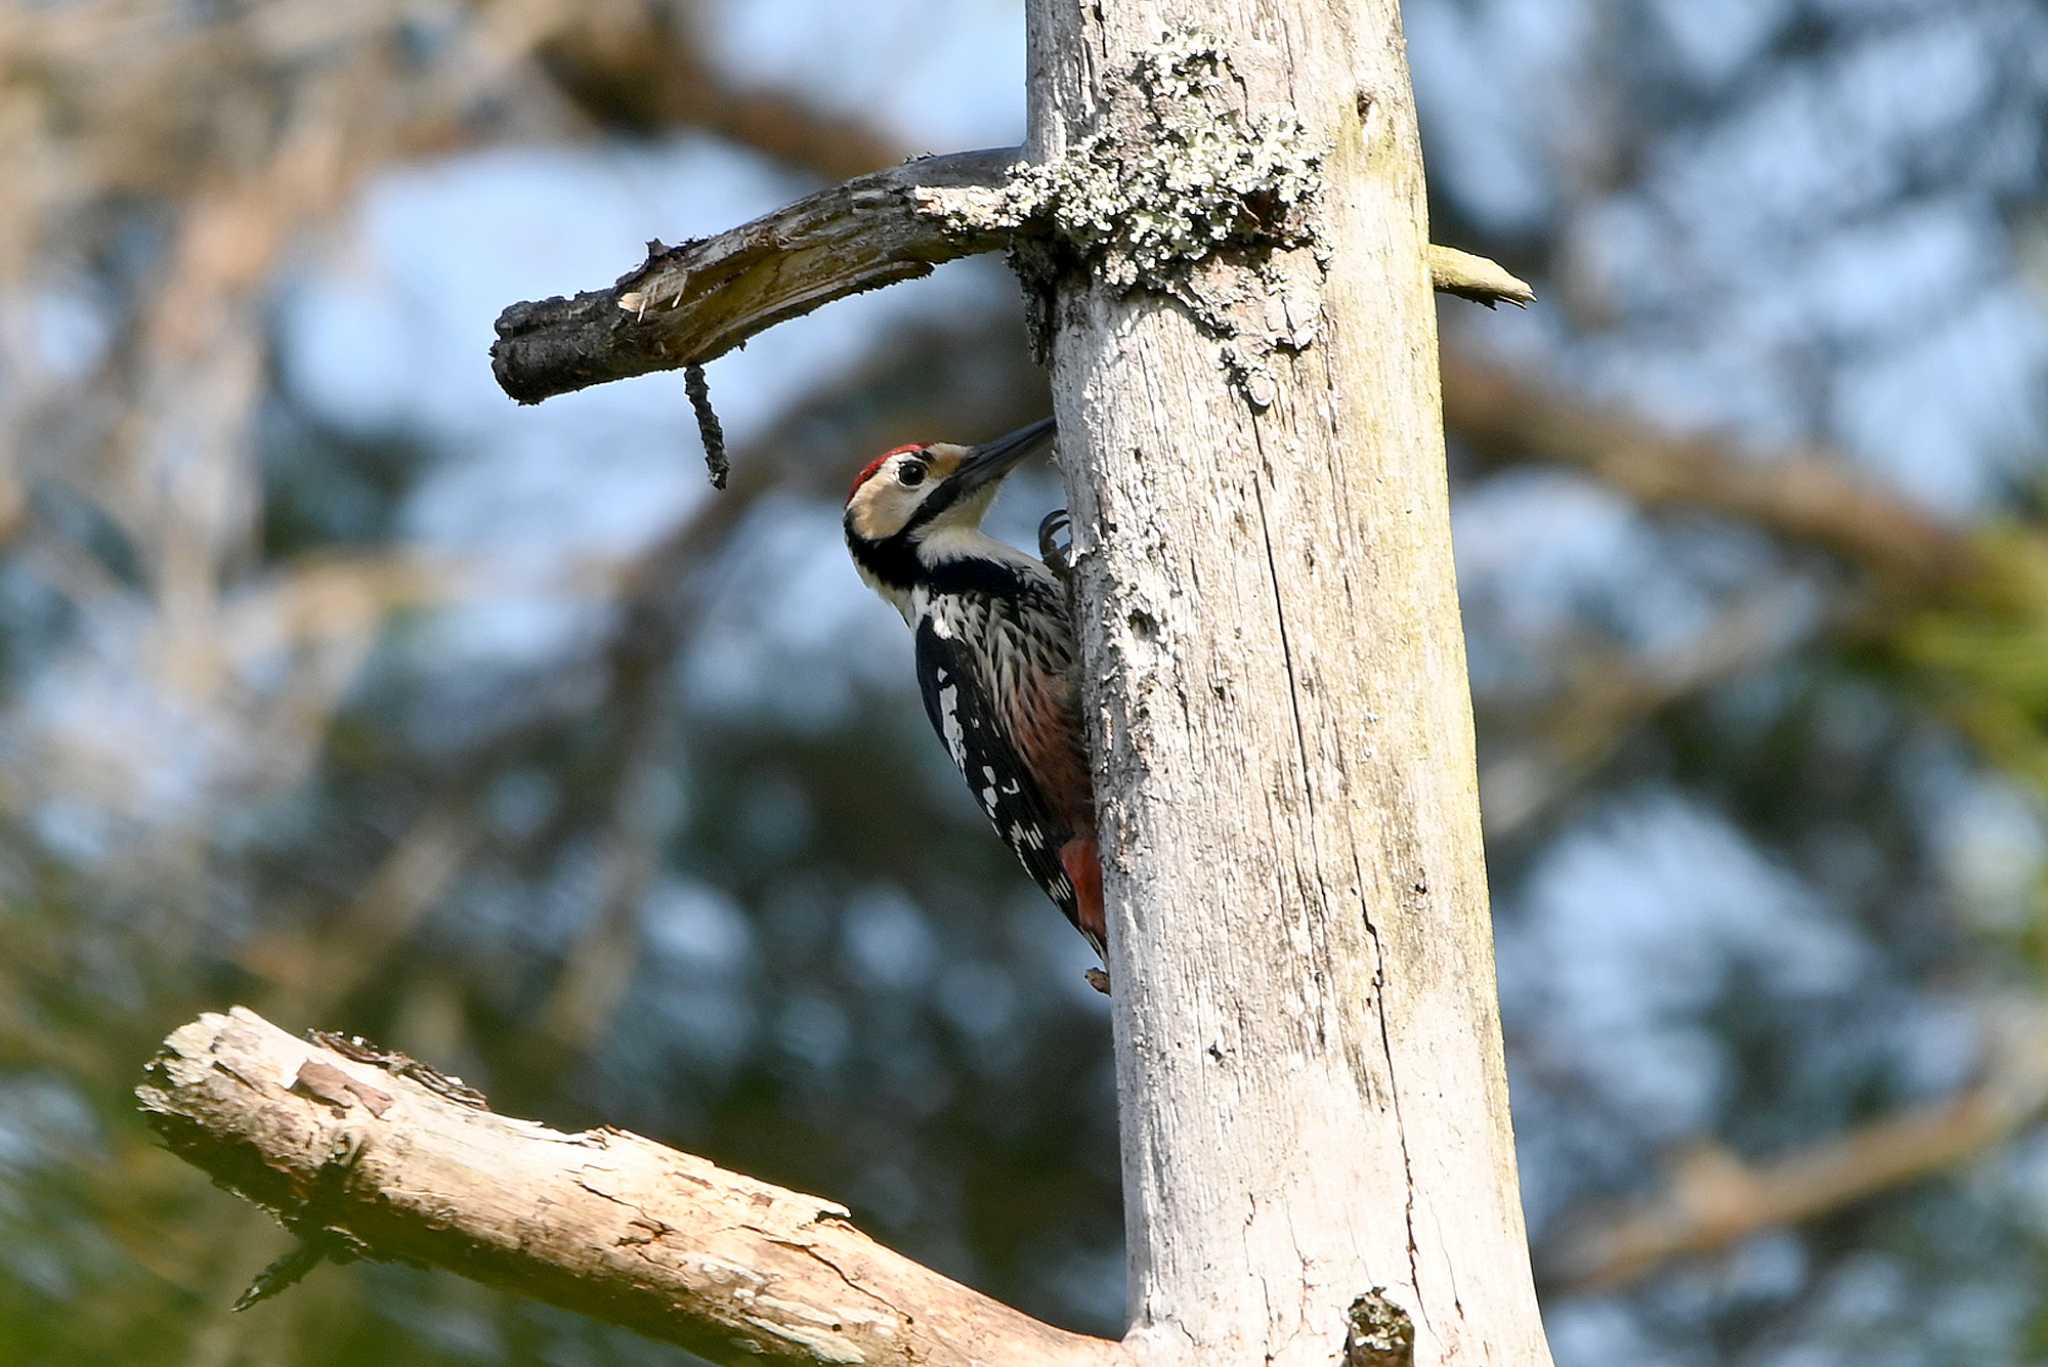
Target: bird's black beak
<point>988,463</point>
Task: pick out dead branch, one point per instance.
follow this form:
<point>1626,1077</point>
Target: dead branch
<point>360,1153</point>
<point>693,303</point>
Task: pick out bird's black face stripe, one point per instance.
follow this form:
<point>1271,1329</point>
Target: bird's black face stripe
<point>892,560</point>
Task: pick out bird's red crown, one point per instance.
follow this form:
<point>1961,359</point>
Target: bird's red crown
<point>867,471</point>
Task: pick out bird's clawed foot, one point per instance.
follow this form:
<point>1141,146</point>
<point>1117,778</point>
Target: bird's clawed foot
<point>1098,980</point>
<point>1057,555</point>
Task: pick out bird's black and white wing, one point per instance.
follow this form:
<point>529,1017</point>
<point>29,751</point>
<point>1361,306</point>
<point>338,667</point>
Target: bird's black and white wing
<point>961,711</point>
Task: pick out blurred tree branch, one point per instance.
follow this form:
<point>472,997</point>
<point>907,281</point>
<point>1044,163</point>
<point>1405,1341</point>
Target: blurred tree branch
<point>1809,498</point>
<point>1957,615</point>
<point>361,1153</point>
<point>1715,1200</point>
<point>1611,694</point>
<point>634,68</point>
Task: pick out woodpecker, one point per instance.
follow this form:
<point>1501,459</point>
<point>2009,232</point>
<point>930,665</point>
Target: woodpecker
<point>996,659</point>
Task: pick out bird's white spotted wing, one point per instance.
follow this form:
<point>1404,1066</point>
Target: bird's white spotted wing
<point>958,703</point>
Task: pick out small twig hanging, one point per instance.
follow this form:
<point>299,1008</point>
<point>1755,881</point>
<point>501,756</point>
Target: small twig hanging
<point>286,1271</point>
<point>707,424</point>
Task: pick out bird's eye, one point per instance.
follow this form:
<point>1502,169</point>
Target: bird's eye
<point>910,474</point>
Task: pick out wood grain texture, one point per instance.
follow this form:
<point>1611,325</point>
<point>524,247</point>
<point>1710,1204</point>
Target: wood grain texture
<point>371,1155</point>
<point>1314,1101</point>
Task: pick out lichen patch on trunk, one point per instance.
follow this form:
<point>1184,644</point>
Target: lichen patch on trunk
<point>1186,191</point>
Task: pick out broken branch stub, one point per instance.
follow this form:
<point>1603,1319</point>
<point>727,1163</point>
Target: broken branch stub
<point>1476,278</point>
<point>1378,1333</point>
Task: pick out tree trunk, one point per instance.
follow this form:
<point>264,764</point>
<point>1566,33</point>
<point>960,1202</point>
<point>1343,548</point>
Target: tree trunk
<point>1314,1099</point>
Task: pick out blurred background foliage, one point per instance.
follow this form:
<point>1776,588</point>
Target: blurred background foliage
<point>332,683</point>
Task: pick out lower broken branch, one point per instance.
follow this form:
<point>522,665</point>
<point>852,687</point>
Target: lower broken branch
<point>349,1150</point>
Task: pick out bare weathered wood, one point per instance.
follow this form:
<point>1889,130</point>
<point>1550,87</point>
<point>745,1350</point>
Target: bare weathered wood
<point>1314,1102</point>
<point>693,303</point>
<point>365,1153</point>
<point>1476,278</point>
<point>690,304</point>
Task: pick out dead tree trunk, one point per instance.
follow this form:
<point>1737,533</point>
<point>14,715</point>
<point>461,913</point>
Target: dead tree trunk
<point>1308,1045</point>
<point>1221,224</point>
